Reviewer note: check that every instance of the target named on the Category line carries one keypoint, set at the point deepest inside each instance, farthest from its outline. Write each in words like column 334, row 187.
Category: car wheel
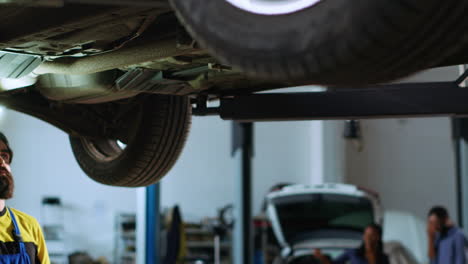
column 159, row 134
column 327, row 41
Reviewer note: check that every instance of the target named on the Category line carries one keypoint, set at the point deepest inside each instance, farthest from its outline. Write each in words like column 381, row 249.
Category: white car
column 331, row 217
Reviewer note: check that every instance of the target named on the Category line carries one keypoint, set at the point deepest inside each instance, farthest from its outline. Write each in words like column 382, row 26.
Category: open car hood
column 321, row 216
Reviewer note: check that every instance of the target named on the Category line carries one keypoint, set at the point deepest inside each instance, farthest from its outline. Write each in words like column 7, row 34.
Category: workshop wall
column 411, row 164
column 333, row 154
column 203, row 179
column 286, row 152
column 44, row 165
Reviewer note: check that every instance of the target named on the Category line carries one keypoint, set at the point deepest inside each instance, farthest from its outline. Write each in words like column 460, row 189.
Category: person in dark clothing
column 370, row 252
column 446, row 242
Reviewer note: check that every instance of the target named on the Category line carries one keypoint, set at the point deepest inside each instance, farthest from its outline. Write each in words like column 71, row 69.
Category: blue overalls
column 22, row 257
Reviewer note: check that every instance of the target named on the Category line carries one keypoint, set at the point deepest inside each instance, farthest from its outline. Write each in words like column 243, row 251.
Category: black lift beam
column 382, row 101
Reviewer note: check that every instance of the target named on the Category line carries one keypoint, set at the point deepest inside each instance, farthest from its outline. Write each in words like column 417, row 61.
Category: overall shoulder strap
column 16, row 230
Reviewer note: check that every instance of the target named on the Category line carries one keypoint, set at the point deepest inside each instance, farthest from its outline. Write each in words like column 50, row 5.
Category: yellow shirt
column 31, row 233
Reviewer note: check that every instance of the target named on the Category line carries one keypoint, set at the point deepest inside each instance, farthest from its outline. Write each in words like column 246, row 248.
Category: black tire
column 160, row 134
column 333, row 42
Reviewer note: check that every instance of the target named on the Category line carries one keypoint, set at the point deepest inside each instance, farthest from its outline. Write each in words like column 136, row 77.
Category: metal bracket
column 381, row 101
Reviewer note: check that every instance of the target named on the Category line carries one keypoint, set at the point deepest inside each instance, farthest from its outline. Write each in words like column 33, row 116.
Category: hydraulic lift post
column 242, row 148
column 153, row 225
column 460, row 138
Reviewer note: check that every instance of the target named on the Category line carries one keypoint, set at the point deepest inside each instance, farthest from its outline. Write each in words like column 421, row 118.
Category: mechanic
column 21, row 238
column 446, row 241
column 370, row 252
